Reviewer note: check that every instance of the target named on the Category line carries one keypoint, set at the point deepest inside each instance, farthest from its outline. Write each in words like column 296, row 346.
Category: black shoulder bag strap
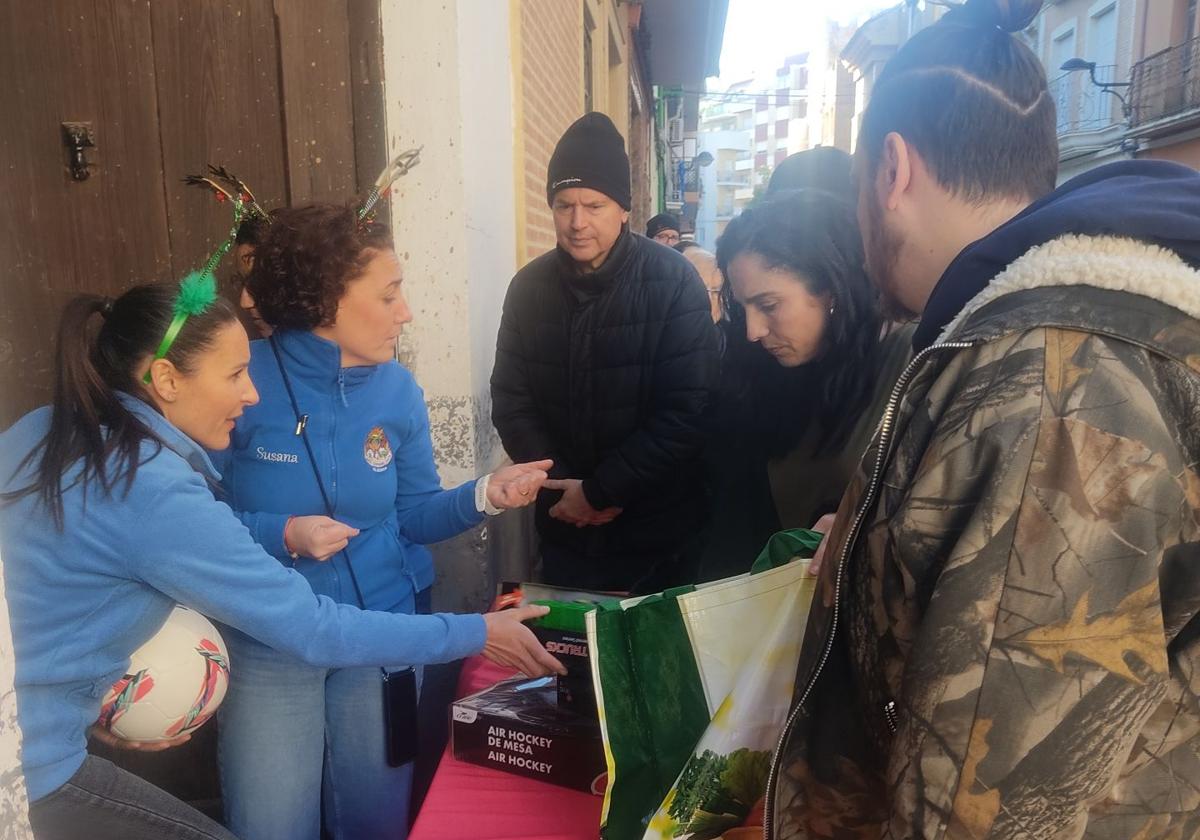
column 399, row 687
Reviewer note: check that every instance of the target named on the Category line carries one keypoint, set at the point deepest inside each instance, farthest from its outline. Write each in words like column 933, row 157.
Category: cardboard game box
column 563, row 632
column 518, row 727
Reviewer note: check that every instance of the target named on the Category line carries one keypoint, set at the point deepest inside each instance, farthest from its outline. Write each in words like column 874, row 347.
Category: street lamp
column 1072, row 65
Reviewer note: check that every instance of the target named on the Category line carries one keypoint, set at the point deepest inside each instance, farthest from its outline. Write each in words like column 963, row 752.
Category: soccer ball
column 175, row 682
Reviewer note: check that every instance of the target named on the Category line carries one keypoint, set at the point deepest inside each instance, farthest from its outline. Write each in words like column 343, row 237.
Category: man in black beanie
column 606, row 362
column 664, row 228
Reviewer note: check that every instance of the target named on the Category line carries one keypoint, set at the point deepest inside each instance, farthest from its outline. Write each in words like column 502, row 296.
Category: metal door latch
column 78, row 137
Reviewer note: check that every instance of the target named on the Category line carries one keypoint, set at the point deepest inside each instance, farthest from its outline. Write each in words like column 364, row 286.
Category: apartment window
column 762, row 103
column 781, row 129
column 1062, row 47
column 800, row 109
column 780, row 156
column 760, row 133
column 781, row 97
column 1102, row 35
column 760, row 160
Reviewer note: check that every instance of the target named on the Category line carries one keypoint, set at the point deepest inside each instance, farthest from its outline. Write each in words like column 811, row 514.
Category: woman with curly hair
column 333, row 473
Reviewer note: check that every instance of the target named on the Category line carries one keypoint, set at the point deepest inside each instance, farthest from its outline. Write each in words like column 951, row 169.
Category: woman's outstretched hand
column 511, row 644
column 517, row 485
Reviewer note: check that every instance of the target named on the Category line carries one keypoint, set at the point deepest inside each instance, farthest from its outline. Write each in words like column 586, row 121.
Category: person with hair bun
column 348, row 497
column 1006, row 635
column 107, row 520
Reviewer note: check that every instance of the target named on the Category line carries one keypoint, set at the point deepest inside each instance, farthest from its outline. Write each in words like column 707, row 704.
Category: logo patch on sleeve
column 377, row 451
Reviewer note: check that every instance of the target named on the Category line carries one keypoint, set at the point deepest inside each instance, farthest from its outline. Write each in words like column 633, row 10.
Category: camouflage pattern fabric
column 1010, row 647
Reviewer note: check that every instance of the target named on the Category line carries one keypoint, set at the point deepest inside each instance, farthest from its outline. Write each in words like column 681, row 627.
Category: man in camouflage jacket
column 1005, row 639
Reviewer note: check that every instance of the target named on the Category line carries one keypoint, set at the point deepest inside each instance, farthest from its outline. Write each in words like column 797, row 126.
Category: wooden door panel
column 314, row 38
column 273, row 89
column 219, row 102
column 72, row 60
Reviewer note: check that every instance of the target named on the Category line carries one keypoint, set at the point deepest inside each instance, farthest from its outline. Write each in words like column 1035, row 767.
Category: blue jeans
column 294, row 738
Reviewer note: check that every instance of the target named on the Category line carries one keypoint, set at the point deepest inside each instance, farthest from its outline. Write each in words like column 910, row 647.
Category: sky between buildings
column 759, row 34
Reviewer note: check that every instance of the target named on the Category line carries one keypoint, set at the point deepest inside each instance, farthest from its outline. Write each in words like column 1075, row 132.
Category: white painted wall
column 490, row 201
column 448, row 87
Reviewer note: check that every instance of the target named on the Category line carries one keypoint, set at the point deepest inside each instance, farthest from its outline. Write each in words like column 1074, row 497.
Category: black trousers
column 639, row 574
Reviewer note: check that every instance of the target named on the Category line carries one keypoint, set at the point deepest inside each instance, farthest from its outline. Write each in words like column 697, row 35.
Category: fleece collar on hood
column 1152, row 202
column 1111, row 263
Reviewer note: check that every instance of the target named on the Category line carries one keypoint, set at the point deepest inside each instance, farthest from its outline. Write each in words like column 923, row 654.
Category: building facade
column 1133, row 93
column 753, row 125
column 1091, row 122
column 1164, row 93
column 1147, row 54
column 571, row 58
column 870, row 47
column 726, row 184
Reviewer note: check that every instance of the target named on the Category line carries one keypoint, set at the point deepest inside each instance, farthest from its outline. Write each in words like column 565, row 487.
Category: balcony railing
column 1166, row 84
column 1082, row 106
column 732, row 175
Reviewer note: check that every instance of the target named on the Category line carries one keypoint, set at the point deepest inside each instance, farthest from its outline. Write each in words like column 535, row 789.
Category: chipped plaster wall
column 448, row 87
column 14, row 819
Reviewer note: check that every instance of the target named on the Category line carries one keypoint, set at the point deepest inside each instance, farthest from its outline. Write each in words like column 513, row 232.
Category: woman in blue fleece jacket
column 330, row 287
column 107, row 519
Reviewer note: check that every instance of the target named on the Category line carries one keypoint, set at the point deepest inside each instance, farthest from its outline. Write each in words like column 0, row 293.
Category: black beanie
column 591, row 154
column 661, row 222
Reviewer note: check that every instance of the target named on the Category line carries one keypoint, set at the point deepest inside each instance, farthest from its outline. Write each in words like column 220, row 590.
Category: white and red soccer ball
column 174, row 684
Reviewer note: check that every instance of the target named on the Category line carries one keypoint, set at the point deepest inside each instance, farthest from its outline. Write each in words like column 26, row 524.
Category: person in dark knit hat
column 606, row 362
column 664, row 228
column 820, row 168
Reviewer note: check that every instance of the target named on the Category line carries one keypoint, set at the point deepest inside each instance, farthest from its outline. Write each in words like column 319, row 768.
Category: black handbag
column 399, row 687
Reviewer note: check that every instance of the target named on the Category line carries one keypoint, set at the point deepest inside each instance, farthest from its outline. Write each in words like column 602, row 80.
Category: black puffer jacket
column 610, row 374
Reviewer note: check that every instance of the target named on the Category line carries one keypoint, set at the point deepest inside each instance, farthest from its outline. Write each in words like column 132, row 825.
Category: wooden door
column 73, row 62
column 286, row 93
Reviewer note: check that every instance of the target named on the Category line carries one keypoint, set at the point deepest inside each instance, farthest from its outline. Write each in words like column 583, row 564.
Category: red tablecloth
column 468, row 802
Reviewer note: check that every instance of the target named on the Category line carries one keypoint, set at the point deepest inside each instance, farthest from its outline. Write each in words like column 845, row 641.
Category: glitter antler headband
column 198, row 290
column 400, row 166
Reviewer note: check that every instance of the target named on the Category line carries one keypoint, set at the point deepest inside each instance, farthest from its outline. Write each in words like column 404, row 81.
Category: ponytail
column 93, row 436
